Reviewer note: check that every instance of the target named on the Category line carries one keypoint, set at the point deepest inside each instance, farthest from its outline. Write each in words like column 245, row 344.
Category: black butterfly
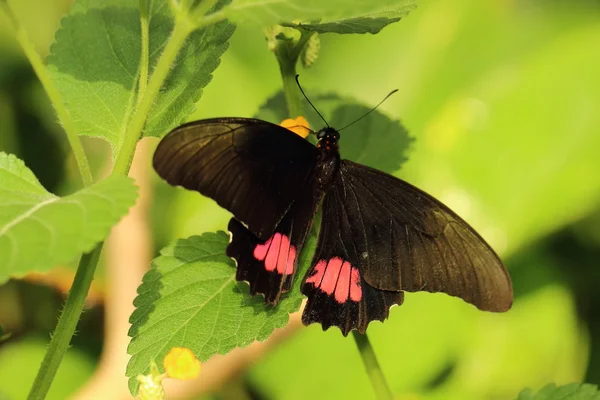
column 379, row 237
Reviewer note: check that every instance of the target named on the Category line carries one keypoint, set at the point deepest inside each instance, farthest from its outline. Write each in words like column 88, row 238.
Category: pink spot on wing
column 316, row 278
column 287, row 256
column 277, row 253
column 273, row 253
column 331, row 275
column 355, row 287
column 260, row 251
column 337, row 277
column 342, row 288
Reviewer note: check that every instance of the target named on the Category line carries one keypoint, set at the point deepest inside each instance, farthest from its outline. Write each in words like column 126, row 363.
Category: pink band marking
column 316, row 278
column 331, row 275
column 339, row 277
column 260, row 251
column 277, row 253
column 355, row 287
column 342, row 290
column 273, row 253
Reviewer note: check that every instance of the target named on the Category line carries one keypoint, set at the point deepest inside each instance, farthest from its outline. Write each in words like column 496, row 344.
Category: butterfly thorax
column 328, row 161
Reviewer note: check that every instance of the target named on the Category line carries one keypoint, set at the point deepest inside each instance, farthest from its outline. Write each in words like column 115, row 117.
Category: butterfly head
column 328, row 137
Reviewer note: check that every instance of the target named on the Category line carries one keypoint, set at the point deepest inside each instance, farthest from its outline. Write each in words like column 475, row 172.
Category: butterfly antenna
column 371, row 110
column 311, row 104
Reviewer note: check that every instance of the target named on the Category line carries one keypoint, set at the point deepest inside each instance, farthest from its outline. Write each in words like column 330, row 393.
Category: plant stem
column 293, row 98
column 180, row 32
column 288, row 59
column 53, row 94
column 143, row 79
column 380, row 385
column 66, row 324
column 185, row 24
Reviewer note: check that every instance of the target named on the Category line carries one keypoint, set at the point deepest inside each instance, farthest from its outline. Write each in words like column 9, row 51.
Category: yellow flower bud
column 181, row 363
column 299, row 126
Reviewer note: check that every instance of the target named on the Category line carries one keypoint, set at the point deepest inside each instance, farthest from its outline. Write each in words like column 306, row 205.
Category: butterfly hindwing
column 337, row 292
column 412, row 242
column 269, row 265
column 250, row 167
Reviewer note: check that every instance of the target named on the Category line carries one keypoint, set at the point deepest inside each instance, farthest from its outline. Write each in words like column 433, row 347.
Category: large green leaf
column 572, row 391
column 95, row 62
column 371, row 22
column 190, row 298
column 268, row 12
column 39, row 230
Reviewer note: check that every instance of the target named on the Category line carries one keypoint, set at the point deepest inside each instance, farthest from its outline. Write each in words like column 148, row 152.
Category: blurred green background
column 502, row 98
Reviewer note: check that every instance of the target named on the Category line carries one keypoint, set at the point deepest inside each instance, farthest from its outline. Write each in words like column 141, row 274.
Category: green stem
column 143, row 82
column 293, row 97
column 380, row 385
column 180, row 32
column 184, row 25
column 53, row 94
column 66, row 324
column 288, row 59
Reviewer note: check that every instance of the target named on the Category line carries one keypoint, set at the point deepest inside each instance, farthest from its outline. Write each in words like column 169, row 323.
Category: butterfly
column 379, row 235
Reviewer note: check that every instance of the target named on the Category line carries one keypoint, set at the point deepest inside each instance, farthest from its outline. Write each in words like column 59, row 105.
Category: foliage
column 371, row 22
column 40, row 230
column 96, row 59
column 339, row 16
column 503, row 129
column 573, row 391
column 192, row 287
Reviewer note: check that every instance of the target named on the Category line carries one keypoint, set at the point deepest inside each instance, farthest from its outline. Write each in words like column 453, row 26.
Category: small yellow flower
column 181, row 363
column 299, row 126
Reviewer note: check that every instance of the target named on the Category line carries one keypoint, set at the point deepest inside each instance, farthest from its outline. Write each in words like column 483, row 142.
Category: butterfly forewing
column 338, row 295
column 252, row 168
column 410, row 241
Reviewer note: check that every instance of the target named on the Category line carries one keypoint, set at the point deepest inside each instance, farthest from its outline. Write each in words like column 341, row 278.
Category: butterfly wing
column 269, row 265
column 338, row 295
column 250, row 167
column 407, row 240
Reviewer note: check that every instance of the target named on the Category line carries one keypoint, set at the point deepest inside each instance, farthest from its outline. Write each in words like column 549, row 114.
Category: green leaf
column 39, row 230
column 95, row 62
column 376, row 140
column 354, row 12
column 190, row 298
column 371, row 22
column 311, row 50
column 572, row 391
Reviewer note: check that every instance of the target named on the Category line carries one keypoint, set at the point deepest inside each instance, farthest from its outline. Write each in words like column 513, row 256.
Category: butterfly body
column 379, row 235
column 328, row 159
